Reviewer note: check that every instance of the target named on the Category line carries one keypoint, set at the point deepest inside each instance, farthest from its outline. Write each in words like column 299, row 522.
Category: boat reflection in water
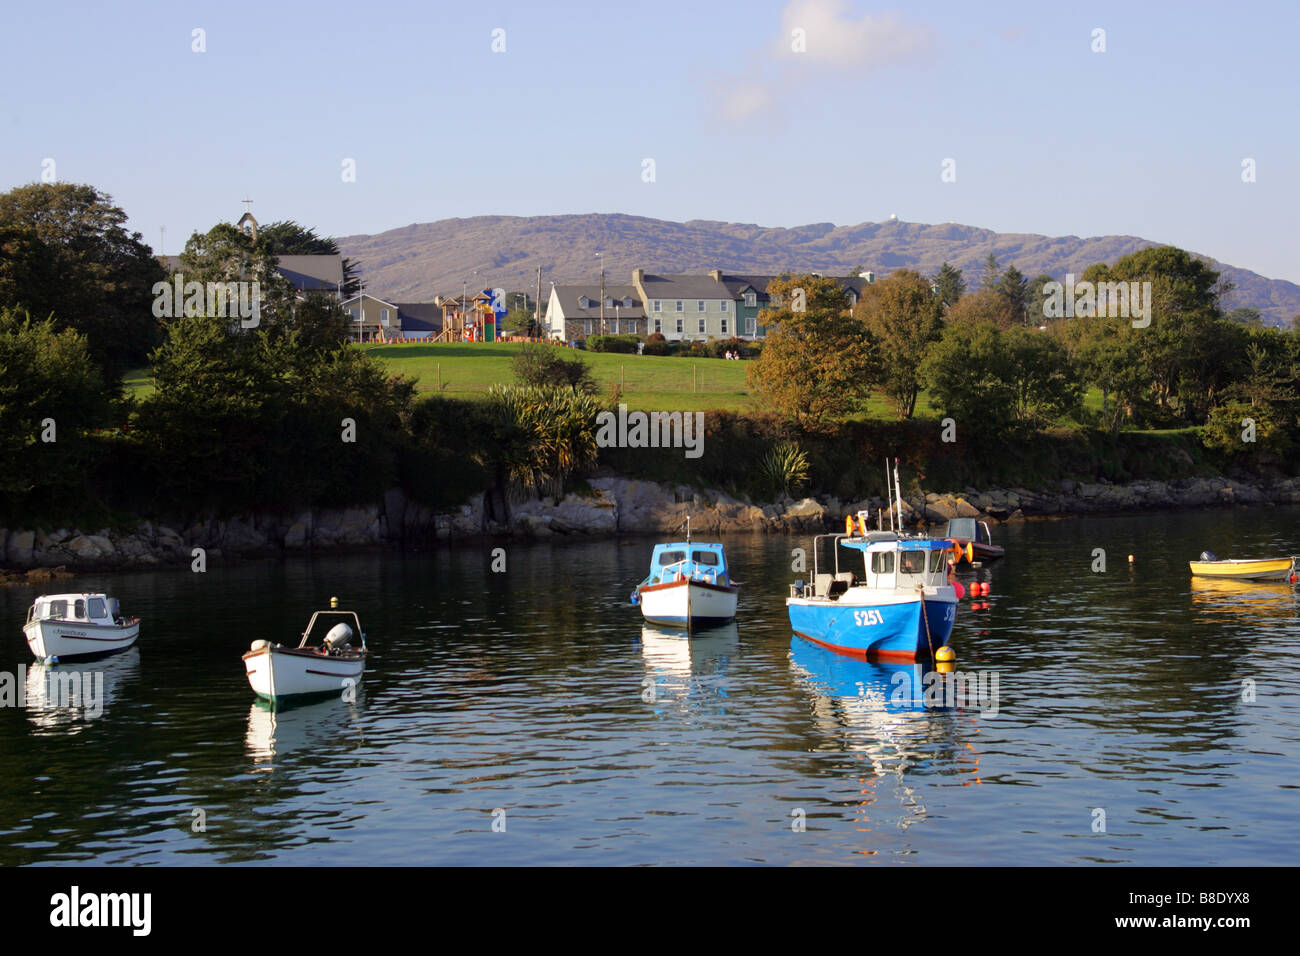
column 882, row 714
column 1254, row 599
column 67, row 697
column 679, row 666
column 276, row 730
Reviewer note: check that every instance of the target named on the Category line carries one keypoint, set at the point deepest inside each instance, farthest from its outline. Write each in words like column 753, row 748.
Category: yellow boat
column 1263, row 569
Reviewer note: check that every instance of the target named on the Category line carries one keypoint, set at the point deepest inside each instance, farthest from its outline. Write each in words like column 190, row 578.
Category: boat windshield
column 962, row 528
column 671, row 557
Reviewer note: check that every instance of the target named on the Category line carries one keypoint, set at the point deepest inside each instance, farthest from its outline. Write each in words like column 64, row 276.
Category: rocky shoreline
column 611, row 506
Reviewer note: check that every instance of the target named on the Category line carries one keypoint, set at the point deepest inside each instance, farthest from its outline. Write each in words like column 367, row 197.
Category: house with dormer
column 574, row 312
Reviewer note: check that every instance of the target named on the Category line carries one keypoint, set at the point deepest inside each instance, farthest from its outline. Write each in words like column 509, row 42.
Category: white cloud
column 833, row 37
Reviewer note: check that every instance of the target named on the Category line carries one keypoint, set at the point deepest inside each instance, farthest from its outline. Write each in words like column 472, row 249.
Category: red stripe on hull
column 864, row 655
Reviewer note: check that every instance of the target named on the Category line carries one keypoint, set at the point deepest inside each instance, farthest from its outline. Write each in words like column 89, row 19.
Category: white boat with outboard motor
column 330, row 667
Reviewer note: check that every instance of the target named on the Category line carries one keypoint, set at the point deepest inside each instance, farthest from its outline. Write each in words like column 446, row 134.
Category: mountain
column 419, row 261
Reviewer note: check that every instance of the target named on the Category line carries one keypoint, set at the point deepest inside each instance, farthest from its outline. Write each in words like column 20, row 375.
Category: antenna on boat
column 898, row 493
column 688, row 529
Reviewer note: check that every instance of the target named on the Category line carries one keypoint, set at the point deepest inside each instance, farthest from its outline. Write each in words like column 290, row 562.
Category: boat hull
column 276, row 673
column 68, row 641
column 1269, row 569
column 688, row 603
column 892, row 629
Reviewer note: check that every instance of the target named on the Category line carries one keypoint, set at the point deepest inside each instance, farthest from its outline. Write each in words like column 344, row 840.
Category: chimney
column 715, row 275
column 638, row 276
column 869, row 276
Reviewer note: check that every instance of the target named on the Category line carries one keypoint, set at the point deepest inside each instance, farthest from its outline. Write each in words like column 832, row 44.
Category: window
column 702, row 325
column 724, row 326
column 658, row 303
column 699, row 306
column 383, row 316
column 659, row 325
column 627, row 302
column 609, row 302
column 709, row 558
column 97, row 609
column 671, row 557
column 58, row 610
column 679, row 326
column 588, row 324
column 911, row 562
column 882, row 562
column 853, row 299
column 937, row 559
column 751, row 299
column 584, row 302
column 750, row 325
column 724, row 305
column 354, row 315
column 79, row 610
column 679, row 306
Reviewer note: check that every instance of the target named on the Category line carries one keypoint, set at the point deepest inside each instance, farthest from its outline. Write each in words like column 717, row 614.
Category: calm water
column 528, row 692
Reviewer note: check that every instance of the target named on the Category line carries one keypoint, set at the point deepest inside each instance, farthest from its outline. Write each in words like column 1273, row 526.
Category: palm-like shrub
column 784, row 469
column 545, row 434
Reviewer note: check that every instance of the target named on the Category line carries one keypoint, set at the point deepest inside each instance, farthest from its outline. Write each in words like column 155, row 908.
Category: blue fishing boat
column 893, row 600
column 688, row 586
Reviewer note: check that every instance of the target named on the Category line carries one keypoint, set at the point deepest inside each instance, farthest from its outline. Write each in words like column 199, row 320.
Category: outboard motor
column 1209, row 556
column 338, row 636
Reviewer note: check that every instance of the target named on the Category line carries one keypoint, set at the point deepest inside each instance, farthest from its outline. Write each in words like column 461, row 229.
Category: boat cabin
column 75, row 609
column 688, row 559
column 890, row 562
column 968, row 529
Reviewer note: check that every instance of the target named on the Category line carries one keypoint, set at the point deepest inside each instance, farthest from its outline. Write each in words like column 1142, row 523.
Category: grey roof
column 738, row 283
column 570, row 294
column 420, row 316
column 684, row 287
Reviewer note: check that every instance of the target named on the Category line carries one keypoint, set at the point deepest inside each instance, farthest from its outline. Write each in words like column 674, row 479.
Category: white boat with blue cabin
column 893, row 599
column 689, row 585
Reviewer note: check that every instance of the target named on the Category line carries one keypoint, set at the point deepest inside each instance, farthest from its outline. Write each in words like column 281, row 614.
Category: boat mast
column 889, row 498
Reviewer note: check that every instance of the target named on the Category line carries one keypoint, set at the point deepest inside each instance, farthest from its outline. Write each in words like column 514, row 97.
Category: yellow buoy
column 334, row 602
column 945, row 654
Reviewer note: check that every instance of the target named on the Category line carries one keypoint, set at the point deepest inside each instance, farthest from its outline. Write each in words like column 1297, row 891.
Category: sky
column 1062, row 119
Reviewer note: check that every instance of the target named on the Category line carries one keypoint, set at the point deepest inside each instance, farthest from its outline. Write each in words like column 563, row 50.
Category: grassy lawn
column 467, row 369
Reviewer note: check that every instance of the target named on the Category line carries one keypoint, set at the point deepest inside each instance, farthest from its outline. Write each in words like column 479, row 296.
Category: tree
column 902, row 316
column 1246, row 316
column 52, row 394
column 287, row 238
column 77, row 261
column 816, row 364
column 1014, row 287
column 986, row 305
column 1177, row 349
column 545, row 366
column 226, row 253
column 992, row 274
column 952, row 286
column 968, row 375
column 1035, row 297
column 1044, row 380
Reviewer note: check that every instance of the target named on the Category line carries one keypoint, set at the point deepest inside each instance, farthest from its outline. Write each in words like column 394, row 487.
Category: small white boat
column 688, row 586
column 332, row 666
column 62, row 627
